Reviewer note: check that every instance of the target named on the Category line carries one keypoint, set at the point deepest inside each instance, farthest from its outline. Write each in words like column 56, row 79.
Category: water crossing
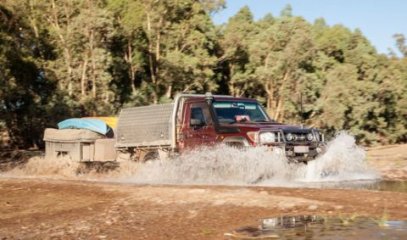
column 222, row 165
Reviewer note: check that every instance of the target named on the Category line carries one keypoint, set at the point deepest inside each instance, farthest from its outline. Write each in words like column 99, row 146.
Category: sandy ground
column 56, row 209
column 390, row 161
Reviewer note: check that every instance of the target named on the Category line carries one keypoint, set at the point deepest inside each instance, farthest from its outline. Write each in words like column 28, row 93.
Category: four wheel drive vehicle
column 196, row 120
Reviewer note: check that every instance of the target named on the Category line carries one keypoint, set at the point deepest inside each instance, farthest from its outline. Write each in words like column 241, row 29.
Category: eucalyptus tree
column 236, row 38
column 170, row 43
column 25, row 91
column 81, row 31
column 280, row 55
column 401, row 43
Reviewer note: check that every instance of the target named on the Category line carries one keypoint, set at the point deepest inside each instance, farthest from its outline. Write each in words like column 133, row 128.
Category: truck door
column 199, row 128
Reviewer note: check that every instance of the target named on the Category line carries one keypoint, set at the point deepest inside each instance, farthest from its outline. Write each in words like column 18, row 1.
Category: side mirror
column 196, row 122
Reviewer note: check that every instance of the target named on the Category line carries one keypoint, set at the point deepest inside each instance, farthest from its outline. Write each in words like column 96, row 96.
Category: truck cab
column 242, row 122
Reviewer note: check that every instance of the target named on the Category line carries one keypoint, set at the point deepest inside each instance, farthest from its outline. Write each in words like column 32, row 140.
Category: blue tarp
column 94, row 125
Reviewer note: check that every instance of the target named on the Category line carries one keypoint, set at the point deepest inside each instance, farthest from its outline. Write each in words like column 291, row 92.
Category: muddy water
column 343, row 161
column 392, row 186
column 342, row 166
column 374, row 185
column 319, row 227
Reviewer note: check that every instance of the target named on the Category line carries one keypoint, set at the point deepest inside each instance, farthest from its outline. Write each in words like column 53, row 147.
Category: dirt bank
column 390, row 161
column 43, row 209
column 56, row 209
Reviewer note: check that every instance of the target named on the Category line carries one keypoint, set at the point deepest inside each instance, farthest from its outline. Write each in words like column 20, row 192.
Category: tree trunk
column 231, row 84
column 54, row 21
column 92, row 56
column 280, row 103
column 151, row 60
column 269, row 87
column 133, row 68
column 169, row 91
column 83, row 78
column 32, row 20
column 68, row 63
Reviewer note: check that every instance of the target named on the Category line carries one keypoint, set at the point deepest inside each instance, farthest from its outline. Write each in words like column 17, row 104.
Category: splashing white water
column 66, row 169
column 342, row 161
column 219, row 165
column 61, row 167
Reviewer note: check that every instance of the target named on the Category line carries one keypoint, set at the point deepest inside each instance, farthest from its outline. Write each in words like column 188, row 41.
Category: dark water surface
column 374, row 185
column 318, row 227
column 393, row 186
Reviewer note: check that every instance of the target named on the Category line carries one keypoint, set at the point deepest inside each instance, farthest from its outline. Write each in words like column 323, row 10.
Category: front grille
column 300, row 156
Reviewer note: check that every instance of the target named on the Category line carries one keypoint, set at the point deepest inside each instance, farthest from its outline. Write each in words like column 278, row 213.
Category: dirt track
column 44, row 209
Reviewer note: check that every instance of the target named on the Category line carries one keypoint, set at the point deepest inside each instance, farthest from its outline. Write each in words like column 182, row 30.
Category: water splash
column 62, row 167
column 343, row 160
column 219, row 165
column 66, row 169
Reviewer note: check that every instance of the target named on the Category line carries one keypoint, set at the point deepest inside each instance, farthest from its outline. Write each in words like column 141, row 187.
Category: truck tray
column 145, row 126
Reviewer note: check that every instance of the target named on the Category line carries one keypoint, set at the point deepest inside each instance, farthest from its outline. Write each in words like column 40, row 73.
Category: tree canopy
column 74, row 58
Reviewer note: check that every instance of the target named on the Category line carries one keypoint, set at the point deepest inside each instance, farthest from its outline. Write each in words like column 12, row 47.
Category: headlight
column 267, row 137
column 289, row 137
column 310, row 137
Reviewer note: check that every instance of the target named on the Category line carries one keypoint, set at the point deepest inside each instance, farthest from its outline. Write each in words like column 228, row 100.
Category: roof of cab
column 219, row 97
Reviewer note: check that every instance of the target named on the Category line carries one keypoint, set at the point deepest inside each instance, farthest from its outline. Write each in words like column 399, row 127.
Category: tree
column 280, row 54
column 24, row 88
column 401, row 43
column 176, row 41
column 235, row 42
column 65, row 58
column 80, row 32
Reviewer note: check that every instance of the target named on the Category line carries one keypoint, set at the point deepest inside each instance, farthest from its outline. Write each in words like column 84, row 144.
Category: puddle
column 318, row 227
column 393, row 186
column 374, row 185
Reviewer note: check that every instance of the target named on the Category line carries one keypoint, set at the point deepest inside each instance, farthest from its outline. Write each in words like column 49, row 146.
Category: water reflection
column 318, row 227
column 290, row 221
column 393, row 186
column 381, row 185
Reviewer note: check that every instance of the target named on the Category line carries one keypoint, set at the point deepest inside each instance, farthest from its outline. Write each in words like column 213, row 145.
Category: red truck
column 194, row 120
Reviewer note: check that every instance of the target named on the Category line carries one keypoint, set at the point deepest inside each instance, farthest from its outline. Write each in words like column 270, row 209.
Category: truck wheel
column 151, row 155
column 127, row 155
column 237, row 145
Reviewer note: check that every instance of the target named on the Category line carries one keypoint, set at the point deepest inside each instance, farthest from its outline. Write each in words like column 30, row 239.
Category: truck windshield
column 231, row 112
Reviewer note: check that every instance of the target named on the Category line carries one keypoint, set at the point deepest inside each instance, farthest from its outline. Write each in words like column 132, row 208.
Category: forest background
column 75, row 58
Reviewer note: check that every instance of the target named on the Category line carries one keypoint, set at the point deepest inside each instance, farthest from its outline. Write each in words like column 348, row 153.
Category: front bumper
column 300, row 153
